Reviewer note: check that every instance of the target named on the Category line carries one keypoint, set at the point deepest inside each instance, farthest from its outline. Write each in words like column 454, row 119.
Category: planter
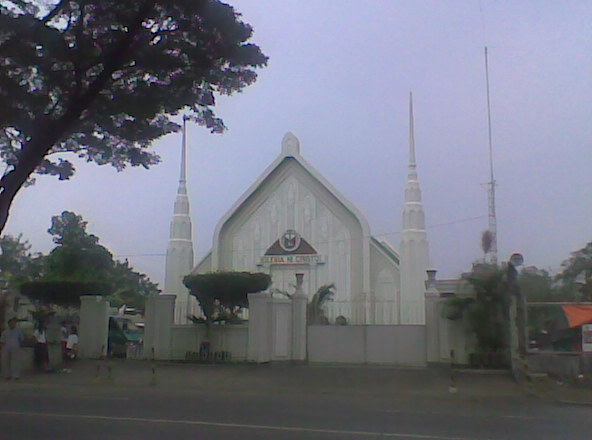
column 211, row 356
column 488, row 359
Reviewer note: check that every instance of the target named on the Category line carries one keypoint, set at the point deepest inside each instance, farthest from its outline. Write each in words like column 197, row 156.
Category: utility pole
column 517, row 320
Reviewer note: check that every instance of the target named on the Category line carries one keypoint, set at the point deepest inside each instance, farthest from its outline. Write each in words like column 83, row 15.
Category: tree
column 79, row 265
column 486, row 304
column 69, row 229
column 488, row 316
column 17, row 263
column 78, row 255
column 103, row 78
column 221, row 295
column 130, row 288
column 61, row 293
column 537, row 285
column 576, row 278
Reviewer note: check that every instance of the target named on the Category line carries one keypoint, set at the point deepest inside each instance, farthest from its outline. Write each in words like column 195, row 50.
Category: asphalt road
column 279, row 402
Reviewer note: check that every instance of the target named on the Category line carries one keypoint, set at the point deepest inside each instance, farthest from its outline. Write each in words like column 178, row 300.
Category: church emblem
column 291, row 248
column 290, row 241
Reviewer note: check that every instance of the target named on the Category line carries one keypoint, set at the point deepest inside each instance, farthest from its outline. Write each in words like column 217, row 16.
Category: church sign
column 292, row 259
column 291, row 248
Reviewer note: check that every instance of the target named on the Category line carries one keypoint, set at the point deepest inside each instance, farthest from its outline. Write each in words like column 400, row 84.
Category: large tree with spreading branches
column 103, row 79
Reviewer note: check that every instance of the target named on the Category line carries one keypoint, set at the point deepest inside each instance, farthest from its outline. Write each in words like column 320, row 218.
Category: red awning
column 578, row 315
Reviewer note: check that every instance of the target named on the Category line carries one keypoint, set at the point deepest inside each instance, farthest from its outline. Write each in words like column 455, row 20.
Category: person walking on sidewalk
column 10, row 343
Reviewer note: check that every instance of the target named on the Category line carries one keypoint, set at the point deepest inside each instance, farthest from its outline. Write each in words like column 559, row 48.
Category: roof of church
column 387, row 249
column 291, row 152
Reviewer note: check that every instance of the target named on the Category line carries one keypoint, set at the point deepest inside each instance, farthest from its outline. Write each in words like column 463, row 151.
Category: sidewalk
column 286, row 377
column 347, row 381
column 572, row 392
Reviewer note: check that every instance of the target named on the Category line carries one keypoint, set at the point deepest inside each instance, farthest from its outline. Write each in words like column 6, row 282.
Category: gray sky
column 339, row 77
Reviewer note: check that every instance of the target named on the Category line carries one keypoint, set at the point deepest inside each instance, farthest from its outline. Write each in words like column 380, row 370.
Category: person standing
column 10, row 343
column 64, row 338
column 41, row 351
column 71, row 348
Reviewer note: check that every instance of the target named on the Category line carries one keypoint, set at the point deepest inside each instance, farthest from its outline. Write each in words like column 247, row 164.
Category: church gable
column 289, row 197
column 290, row 215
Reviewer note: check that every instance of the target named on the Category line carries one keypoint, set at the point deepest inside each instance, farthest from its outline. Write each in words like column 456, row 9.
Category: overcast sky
column 339, row 77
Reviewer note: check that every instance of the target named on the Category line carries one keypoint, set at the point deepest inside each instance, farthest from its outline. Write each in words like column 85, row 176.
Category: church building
column 293, row 221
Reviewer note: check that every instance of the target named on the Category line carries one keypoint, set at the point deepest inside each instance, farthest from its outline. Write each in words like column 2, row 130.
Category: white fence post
column 260, row 327
column 299, row 301
column 160, row 313
column 94, row 326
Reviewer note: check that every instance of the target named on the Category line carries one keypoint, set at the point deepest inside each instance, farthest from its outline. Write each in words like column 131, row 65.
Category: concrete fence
column 277, row 331
column 444, row 337
column 560, row 364
column 376, row 344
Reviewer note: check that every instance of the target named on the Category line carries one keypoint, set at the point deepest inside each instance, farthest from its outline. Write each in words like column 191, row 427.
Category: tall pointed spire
column 412, row 164
column 414, row 242
column 183, row 173
column 179, row 257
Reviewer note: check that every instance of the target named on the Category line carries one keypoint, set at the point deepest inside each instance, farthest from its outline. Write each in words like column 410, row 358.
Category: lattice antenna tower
column 491, row 183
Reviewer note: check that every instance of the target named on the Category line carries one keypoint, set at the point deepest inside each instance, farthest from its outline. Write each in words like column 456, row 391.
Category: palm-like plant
column 314, row 310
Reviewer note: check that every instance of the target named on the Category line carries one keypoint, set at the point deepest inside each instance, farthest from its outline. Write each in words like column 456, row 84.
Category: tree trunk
column 12, row 182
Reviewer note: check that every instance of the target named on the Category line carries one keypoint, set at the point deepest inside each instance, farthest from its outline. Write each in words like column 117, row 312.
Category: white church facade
column 293, row 221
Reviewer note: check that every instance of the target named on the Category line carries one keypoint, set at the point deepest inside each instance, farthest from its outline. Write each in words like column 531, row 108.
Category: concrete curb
column 550, row 395
column 574, row 403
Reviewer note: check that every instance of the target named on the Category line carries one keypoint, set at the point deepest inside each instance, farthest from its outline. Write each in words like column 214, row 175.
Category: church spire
column 412, row 191
column 412, row 164
column 179, row 257
column 414, row 242
column 183, row 173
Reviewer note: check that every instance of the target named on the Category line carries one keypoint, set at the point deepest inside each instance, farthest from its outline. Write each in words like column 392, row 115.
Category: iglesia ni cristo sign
column 291, row 248
column 292, row 259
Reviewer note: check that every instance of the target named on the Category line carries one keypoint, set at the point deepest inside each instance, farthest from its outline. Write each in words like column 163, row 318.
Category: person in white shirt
column 10, row 343
column 41, row 351
column 71, row 348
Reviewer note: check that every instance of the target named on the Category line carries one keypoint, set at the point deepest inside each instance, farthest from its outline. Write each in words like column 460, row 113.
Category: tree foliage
column 223, row 294
column 103, row 78
column 129, row 287
column 488, row 316
column 537, row 285
column 314, row 309
column 486, row 307
column 17, row 263
column 78, row 255
column 62, row 293
column 79, row 265
column 69, row 229
column 576, row 278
